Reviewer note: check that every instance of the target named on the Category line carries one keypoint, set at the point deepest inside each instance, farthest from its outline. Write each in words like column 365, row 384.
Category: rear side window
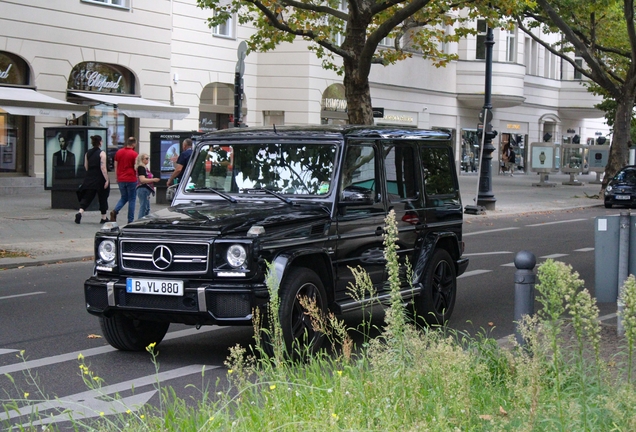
column 437, row 169
column 400, row 163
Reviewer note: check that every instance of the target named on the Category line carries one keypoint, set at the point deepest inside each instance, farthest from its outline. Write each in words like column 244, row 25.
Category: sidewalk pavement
column 29, row 224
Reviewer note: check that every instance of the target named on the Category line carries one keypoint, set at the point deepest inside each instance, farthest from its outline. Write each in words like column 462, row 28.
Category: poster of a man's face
column 64, row 158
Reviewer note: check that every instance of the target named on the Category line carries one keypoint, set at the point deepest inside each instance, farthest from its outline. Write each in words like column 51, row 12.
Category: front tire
column 608, row 204
column 300, row 337
column 435, row 304
column 127, row 334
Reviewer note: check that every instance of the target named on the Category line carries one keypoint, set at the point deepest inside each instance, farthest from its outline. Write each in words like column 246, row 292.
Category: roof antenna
column 274, row 128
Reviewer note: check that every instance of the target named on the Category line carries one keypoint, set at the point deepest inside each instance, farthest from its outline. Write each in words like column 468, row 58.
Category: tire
column 127, row 334
column 298, row 333
column 435, row 303
column 608, row 205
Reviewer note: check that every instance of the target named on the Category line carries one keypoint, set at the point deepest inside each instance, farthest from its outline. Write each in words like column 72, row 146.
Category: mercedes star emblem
column 162, row 257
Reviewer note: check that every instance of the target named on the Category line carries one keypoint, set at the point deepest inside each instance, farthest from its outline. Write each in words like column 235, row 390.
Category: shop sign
column 330, row 104
column 398, row 117
column 13, row 70
column 100, row 77
column 5, row 73
column 513, row 126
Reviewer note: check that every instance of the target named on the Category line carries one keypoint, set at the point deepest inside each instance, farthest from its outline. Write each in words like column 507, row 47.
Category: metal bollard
column 623, row 265
column 524, row 289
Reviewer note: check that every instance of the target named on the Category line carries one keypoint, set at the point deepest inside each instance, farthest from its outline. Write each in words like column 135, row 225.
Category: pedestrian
column 145, row 184
column 95, row 182
column 509, row 158
column 182, row 161
column 126, row 179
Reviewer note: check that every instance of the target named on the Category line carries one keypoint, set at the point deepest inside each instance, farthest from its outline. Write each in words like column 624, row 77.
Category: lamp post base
column 475, row 210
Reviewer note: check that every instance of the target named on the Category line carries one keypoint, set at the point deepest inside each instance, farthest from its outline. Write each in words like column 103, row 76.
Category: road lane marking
column 47, row 361
column 486, row 253
column 92, row 403
column 7, row 351
column 556, row 222
column 473, row 273
column 22, row 295
column 588, row 249
column 554, row 256
column 489, row 231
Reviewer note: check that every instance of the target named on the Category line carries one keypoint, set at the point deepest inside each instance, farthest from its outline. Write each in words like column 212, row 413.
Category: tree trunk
column 358, row 94
column 619, row 151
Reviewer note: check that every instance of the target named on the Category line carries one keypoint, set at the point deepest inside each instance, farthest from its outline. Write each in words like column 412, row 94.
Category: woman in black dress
column 96, row 180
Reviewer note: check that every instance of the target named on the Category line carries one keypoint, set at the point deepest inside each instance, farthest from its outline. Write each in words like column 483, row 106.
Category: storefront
column 514, row 134
column 19, row 104
column 216, row 107
column 109, row 91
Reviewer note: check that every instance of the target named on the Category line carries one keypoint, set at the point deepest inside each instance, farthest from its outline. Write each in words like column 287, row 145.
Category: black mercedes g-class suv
column 310, row 203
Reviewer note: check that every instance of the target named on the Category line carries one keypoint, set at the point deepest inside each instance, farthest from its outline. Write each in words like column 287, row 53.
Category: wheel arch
column 312, row 259
column 443, row 240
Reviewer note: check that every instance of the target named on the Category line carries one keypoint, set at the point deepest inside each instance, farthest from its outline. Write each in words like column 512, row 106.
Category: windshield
column 286, row 168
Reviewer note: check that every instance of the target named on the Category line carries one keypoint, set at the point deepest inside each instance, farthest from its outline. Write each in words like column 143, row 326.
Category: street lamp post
column 486, row 197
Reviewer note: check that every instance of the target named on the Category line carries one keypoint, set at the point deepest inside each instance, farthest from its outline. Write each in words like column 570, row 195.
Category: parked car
column 621, row 190
column 310, row 202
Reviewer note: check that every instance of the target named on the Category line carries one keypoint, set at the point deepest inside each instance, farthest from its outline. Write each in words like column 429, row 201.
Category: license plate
column 154, row 286
column 622, row 197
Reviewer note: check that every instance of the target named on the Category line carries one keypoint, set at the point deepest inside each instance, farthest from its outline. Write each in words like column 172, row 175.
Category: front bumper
column 202, row 303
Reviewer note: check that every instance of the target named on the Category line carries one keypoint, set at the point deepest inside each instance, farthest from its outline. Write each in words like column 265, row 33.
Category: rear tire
column 127, row 334
column 435, row 304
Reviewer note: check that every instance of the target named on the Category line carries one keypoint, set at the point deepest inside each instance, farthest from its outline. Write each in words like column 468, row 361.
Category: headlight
column 107, row 251
column 236, row 255
column 609, row 188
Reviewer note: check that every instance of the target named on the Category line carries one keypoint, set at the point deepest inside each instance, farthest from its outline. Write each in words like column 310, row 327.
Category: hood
column 225, row 217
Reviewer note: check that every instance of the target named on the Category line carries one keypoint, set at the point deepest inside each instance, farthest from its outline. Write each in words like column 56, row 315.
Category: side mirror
column 356, row 196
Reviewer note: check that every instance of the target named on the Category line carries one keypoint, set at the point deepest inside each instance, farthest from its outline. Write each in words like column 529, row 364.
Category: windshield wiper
column 271, row 192
column 218, row 192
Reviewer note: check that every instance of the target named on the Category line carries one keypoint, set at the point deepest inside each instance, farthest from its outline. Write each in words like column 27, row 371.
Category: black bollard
column 524, row 289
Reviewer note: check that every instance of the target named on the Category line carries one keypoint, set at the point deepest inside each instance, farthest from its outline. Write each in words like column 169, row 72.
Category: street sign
column 487, row 114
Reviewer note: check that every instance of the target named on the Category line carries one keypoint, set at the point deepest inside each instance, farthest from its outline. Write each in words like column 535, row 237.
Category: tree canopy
column 602, row 33
column 353, row 31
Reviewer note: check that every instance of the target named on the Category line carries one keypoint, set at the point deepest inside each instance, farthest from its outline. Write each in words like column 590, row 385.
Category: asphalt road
column 42, row 313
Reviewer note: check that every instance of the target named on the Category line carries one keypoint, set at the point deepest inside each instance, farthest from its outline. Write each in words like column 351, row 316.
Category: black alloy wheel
column 435, row 304
column 300, row 337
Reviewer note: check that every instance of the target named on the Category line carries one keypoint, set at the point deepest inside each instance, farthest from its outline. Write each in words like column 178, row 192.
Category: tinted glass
column 438, row 175
column 400, row 165
column 287, row 168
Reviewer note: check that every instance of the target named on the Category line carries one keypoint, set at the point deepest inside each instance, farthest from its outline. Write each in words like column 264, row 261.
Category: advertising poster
column 542, row 157
column 170, row 150
column 64, row 150
column 598, row 159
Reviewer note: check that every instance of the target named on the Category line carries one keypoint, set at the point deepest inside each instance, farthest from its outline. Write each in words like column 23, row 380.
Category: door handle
column 379, row 231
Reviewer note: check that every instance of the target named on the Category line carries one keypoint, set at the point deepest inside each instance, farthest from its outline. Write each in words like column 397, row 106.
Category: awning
column 137, row 107
column 28, row 102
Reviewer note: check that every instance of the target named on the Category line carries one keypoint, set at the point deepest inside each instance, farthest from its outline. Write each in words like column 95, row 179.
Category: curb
column 13, row 263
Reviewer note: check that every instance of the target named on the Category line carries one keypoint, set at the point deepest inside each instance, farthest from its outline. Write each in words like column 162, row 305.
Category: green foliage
column 407, row 379
column 347, row 39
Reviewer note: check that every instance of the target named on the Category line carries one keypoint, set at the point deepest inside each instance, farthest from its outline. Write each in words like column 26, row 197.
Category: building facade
column 136, row 66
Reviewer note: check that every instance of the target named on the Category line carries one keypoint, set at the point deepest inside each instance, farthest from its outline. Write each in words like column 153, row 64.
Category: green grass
column 410, row 379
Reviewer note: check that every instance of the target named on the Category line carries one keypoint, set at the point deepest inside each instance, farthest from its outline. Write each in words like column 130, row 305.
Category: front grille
column 229, row 305
column 164, row 257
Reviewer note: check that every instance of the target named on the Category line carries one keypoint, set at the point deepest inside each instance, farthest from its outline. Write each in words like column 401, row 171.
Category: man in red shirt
column 126, row 179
